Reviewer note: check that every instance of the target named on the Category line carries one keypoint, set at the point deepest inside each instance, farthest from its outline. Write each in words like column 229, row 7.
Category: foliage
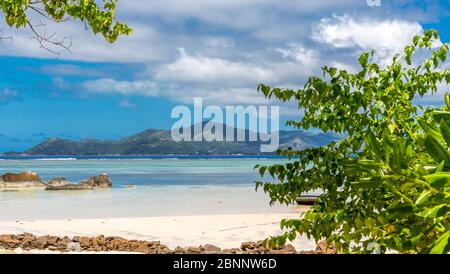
column 387, row 181
column 98, row 15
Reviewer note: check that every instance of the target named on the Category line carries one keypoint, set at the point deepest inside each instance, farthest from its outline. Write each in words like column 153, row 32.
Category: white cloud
column 227, row 47
column 161, row 26
column 347, row 32
column 232, row 97
column 229, row 11
column 144, row 45
column 111, row 86
column 219, row 96
column 300, row 54
column 386, row 36
column 202, row 69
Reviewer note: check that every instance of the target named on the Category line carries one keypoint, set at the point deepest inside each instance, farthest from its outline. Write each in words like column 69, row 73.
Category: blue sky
column 218, row 50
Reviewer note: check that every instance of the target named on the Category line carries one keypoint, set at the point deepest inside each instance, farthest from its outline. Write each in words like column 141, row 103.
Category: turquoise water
column 169, row 171
column 162, row 187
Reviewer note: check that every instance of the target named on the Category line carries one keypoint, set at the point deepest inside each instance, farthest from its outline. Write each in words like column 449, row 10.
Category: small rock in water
column 60, row 181
column 20, row 180
column 70, row 187
column 101, row 181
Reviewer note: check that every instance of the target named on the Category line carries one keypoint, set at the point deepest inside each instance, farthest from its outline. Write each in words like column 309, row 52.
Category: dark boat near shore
column 306, row 199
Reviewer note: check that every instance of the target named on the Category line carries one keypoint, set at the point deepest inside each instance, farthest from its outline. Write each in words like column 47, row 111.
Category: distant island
column 159, row 142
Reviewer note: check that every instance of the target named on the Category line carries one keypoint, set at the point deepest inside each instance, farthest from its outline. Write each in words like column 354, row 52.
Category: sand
column 225, row 231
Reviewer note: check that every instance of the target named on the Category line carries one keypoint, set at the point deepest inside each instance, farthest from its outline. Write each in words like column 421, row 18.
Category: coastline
column 71, row 157
column 225, row 231
column 189, row 203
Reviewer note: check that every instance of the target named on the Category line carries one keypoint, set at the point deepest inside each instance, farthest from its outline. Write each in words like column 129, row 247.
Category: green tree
column 99, row 16
column 382, row 182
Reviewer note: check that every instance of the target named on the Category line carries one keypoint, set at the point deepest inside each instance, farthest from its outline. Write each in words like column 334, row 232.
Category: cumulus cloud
column 239, row 14
column 385, row 36
column 221, row 97
column 111, row 87
column 198, row 68
column 146, row 44
column 221, row 50
column 300, row 55
column 160, row 27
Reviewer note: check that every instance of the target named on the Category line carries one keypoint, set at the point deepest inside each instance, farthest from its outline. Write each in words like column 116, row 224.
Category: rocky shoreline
column 28, row 242
column 29, row 179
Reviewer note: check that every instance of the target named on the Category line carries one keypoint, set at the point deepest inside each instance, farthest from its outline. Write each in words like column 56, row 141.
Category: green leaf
column 445, row 130
column 430, row 130
column 333, row 72
column 423, row 198
column 434, row 212
column 400, row 211
column 439, row 115
column 262, row 170
column 447, row 99
column 398, row 156
column 436, row 150
column 368, row 182
column 363, row 59
column 440, row 167
column 367, row 164
column 441, row 245
column 374, row 146
column 438, row 180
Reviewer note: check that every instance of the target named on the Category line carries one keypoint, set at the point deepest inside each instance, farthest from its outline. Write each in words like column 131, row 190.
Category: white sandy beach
column 225, row 231
column 177, row 202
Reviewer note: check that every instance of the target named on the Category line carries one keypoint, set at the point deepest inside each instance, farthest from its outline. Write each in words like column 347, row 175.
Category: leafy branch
column 98, row 16
column 386, row 181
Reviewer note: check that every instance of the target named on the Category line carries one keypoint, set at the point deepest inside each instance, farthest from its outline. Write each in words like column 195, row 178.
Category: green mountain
column 159, row 142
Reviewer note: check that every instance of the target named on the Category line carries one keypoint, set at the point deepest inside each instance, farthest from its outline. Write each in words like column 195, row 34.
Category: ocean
column 142, row 187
